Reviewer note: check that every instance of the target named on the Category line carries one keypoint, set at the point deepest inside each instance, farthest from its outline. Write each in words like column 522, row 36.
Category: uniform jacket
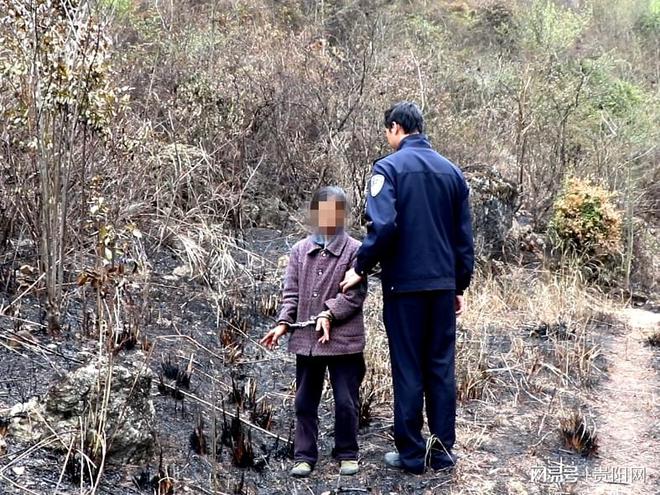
column 311, row 285
column 419, row 224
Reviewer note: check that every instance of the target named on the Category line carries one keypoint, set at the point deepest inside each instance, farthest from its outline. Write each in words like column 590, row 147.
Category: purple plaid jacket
column 311, row 285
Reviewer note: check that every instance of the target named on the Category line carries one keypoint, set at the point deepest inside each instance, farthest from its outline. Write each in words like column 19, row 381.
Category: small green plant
column 120, row 8
column 553, row 28
column 585, row 220
column 649, row 22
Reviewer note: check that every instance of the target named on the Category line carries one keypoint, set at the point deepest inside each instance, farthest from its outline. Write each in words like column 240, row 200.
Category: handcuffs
column 311, row 321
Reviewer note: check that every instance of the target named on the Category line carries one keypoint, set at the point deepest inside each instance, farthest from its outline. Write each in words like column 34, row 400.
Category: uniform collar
column 335, row 246
column 415, row 140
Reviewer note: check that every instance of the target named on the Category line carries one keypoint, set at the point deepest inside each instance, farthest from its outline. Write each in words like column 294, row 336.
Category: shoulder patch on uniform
column 376, row 184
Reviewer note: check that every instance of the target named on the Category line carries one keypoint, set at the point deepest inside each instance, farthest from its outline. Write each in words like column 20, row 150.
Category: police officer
column 420, row 231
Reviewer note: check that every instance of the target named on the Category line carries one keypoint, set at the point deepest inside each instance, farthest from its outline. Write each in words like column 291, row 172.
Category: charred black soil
column 224, row 404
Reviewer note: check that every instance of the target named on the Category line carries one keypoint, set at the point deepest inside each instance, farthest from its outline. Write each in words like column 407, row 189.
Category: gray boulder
column 493, row 202
column 123, row 418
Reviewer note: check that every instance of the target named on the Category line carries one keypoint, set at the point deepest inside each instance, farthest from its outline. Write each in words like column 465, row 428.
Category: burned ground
column 528, row 381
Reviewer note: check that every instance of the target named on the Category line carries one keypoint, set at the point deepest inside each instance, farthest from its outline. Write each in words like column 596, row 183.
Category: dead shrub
column 376, row 388
column 577, row 435
column 653, row 340
column 161, row 483
column 262, row 414
column 560, row 330
column 472, row 376
column 643, row 256
column 238, row 438
column 244, row 395
column 172, row 371
column 169, row 389
column 284, row 450
column 368, row 400
column 198, row 439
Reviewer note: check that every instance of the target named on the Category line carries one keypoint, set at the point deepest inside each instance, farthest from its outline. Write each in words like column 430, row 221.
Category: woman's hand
column 323, row 325
column 271, row 338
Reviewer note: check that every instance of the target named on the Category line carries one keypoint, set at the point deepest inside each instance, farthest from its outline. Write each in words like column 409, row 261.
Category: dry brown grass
column 578, row 434
column 377, row 386
column 504, row 304
column 527, row 348
column 493, row 342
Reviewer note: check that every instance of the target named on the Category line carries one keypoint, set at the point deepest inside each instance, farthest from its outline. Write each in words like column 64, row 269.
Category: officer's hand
column 323, row 325
column 271, row 338
column 459, row 305
column 351, row 279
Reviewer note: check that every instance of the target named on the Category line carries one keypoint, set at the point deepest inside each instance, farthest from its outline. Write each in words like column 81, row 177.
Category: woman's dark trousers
column 346, row 374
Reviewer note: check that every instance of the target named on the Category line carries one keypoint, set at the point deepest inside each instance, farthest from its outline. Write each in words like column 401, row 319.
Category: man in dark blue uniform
column 420, row 231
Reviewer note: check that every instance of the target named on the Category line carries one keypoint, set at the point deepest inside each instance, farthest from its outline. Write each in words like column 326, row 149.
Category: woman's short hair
column 327, row 193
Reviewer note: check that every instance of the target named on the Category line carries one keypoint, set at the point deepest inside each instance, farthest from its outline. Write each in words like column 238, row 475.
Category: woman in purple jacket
column 333, row 335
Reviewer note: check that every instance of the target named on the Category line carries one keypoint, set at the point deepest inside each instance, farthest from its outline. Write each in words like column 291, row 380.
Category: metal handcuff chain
column 303, row 324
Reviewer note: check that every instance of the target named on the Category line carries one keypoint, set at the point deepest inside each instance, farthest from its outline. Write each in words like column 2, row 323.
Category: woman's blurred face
column 329, row 217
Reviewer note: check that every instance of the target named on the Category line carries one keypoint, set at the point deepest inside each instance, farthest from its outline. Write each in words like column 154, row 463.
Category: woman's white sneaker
column 348, row 468
column 301, row 469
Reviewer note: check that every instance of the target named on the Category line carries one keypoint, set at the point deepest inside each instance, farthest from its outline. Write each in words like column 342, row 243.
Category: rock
column 128, row 416
column 523, row 244
column 183, row 271
column 645, row 274
column 20, row 425
column 516, row 488
column 264, row 210
column 493, row 203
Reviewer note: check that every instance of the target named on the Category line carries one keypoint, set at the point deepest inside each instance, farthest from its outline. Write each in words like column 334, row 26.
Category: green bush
column 119, row 8
column 552, row 28
column 585, row 220
column 648, row 24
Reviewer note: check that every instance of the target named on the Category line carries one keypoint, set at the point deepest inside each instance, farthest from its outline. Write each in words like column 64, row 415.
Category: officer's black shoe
column 444, row 461
column 392, row 459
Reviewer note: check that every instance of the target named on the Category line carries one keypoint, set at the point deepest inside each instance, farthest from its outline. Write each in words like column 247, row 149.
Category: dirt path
column 629, row 412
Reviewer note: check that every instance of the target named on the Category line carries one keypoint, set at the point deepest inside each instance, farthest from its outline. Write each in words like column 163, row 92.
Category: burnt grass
column 203, row 343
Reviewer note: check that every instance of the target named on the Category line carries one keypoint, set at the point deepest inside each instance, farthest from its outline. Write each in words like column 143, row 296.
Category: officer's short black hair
column 326, row 194
column 407, row 114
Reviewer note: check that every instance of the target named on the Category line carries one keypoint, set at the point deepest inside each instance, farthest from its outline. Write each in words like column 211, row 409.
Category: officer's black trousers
column 421, row 331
